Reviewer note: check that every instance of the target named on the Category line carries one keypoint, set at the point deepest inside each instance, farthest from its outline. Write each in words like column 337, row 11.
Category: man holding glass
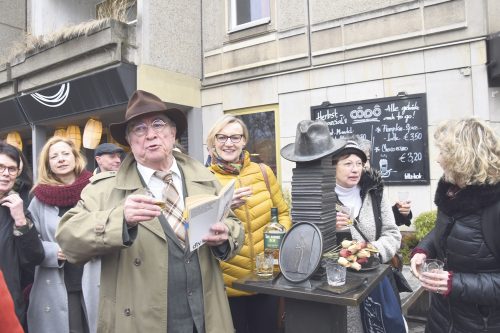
column 150, row 281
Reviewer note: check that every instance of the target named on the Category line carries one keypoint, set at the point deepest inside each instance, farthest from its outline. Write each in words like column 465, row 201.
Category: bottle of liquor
column 273, row 235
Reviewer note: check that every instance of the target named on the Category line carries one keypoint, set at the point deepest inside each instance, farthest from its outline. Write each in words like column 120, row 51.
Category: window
column 261, row 143
column 248, row 13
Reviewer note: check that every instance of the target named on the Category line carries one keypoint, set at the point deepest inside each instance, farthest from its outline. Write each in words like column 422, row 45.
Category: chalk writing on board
column 396, row 127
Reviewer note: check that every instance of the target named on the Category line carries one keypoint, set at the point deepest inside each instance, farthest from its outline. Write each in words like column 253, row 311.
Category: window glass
column 248, row 13
column 262, row 142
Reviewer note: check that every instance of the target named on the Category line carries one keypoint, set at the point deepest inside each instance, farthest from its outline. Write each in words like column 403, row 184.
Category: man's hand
column 139, row 208
column 218, row 234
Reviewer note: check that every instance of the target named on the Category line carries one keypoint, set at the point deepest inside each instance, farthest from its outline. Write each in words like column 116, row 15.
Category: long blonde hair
column 45, row 174
column 470, row 153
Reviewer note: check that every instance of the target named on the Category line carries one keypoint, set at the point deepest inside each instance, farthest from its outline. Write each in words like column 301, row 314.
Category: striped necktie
column 172, row 211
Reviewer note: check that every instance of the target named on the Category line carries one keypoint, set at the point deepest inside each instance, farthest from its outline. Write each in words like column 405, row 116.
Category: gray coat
column 48, row 308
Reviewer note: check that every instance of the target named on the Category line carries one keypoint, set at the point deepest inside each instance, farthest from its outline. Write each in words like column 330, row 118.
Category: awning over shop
column 11, row 115
column 101, row 90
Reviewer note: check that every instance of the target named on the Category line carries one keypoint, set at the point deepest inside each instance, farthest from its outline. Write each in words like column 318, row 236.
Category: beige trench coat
column 134, row 278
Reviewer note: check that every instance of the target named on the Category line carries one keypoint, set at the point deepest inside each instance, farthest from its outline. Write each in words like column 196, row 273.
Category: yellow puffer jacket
column 254, row 215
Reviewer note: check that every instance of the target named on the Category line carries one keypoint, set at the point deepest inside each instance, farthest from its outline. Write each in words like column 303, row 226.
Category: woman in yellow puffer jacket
column 252, row 204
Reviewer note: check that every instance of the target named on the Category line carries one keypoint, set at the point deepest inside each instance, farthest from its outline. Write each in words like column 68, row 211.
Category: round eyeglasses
column 141, row 129
column 11, row 170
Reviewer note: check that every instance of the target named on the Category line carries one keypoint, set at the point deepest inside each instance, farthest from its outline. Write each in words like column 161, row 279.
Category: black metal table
column 309, row 309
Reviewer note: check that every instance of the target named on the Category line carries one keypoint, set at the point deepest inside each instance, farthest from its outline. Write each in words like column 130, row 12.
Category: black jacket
column 18, row 256
column 462, row 239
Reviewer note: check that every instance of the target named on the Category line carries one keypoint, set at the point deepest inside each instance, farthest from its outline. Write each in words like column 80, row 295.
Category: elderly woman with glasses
column 252, row 203
column 369, row 215
column 20, row 247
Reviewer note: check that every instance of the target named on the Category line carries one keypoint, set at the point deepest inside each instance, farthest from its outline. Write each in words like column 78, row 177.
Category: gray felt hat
column 312, row 141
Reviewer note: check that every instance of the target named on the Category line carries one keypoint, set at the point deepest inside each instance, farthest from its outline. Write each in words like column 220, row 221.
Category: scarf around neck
column 224, row 167
column 62, row 195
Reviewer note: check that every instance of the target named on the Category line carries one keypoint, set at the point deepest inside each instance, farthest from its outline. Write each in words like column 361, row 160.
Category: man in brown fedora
column 150, row 282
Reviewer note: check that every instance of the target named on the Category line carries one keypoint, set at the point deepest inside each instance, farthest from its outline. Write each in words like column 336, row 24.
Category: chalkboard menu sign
column 396, row 127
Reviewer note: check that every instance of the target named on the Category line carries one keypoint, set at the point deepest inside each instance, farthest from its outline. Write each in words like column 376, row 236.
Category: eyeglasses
column 141, row 129
column 235, row 138
column 11, row 170
column 352, row 165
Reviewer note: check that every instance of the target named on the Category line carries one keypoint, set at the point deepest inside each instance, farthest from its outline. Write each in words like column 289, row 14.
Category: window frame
column 265, row 108
column 234, row 27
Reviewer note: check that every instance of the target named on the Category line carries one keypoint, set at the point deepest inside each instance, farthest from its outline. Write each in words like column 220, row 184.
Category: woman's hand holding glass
column 404, row 203
column 240, row 196
column 344, row 217
column 430, row 272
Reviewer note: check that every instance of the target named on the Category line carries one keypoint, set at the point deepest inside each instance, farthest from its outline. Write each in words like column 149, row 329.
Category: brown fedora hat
column 140, row 103
column 312, row 142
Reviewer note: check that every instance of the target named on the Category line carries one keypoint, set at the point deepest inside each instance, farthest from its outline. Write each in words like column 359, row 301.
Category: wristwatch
column 19, row 231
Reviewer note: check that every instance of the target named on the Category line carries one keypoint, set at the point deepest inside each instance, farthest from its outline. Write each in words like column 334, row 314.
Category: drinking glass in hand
column 403, row 196
column 349, row 211
column 158, row 202
column 433, row 266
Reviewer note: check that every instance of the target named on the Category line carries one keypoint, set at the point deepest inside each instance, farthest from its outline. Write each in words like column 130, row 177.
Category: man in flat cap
column 150, row 282
column 108, row 157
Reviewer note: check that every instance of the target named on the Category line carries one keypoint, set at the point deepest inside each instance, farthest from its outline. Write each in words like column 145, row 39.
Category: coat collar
column 469, row 199
column 128, row 179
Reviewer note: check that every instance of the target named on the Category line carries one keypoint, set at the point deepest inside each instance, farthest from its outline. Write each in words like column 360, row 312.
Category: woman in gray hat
column 370, row 219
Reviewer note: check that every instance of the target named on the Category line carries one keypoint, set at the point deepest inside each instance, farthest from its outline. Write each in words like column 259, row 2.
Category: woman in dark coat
column 20, row 246
column 465, row 296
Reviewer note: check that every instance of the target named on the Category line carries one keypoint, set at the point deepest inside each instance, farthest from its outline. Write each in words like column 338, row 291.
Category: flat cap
column 107, row 148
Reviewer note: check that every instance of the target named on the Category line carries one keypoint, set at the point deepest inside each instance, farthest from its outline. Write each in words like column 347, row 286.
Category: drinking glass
column 335, row 273
column 433, row 266
column 349, row 211
column 264, row 263
column 403, row 196
column 158, row 202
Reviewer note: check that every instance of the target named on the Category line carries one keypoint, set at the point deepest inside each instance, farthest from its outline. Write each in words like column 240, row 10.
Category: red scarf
column 62, row 195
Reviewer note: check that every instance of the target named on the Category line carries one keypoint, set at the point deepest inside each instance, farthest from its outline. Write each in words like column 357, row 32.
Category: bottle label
column 273, row 240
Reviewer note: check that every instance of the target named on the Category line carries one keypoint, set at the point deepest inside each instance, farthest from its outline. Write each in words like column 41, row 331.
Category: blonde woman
column 64, row 297
column 464, row 296
column 252, row 204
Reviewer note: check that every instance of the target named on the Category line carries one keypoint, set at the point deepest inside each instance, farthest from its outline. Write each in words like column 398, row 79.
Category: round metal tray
column 300, row 252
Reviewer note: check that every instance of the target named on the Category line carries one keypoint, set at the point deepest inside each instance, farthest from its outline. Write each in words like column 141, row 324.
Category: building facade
column 268, row 61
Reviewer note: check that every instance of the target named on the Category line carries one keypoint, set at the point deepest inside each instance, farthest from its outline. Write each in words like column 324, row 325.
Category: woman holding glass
column 465, row 292
column 362, row 190
column 252, row 204
column 64, row 296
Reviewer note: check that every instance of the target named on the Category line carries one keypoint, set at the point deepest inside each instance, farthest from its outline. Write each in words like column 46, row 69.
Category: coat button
column 47, row 281
column 46, row 309
column 127, row 312
column 190, row 293
column 137, row 262
column 188, row 261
